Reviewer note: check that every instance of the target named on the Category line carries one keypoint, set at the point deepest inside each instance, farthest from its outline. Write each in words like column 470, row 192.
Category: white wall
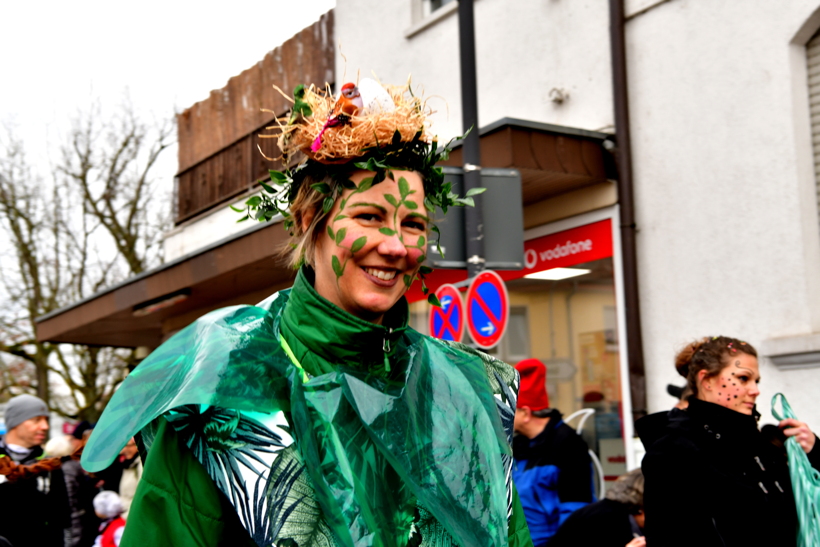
column 728, row 240
column 524, row 48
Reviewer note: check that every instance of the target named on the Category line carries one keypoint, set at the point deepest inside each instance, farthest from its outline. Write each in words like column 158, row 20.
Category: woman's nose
column 754, row 390
column 392, row 246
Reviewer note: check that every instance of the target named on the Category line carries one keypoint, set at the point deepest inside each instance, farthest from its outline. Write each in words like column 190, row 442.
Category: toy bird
column 347, row 105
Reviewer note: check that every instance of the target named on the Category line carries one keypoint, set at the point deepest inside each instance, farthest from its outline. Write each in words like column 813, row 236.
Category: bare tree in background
column 90, row 224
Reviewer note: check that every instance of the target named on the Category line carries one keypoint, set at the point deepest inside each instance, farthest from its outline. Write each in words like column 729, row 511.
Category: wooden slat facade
column 218, row 137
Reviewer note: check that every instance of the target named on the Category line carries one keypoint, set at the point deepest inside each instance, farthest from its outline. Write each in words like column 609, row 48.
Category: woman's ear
column 307, row 219
column 703, row 380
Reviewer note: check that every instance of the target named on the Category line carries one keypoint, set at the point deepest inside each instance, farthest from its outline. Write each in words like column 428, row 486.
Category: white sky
column 56, row 57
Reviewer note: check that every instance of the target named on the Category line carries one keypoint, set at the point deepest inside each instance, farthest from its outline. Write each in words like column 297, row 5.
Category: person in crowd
column 712, row 479
column 319, row 417
column 33, row 500
column 615, row 521
column 81, row 488
column 131, row 465
column 553, row 470
column 108, row 507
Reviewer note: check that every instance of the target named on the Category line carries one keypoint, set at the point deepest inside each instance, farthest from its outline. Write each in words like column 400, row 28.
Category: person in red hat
column 552, row 471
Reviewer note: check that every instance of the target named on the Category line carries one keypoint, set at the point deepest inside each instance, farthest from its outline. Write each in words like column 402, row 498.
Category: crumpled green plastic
column 371, row 445
column 805, row 483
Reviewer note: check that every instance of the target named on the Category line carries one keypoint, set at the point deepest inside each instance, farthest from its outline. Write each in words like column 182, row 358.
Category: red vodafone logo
column 582, row 244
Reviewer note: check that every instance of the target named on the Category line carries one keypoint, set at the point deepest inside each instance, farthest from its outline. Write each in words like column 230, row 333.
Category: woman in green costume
column 318, row 417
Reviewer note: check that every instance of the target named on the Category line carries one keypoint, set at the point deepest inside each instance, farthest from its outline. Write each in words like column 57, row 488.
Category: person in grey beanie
column 34, row 511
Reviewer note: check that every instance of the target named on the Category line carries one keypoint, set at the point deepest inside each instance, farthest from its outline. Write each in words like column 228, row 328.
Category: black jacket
column 713, row 480
column 33, row 512
column 605, row 523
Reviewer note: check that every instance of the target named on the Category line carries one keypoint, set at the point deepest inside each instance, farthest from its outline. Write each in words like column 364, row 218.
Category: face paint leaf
column 387, row 231
column 347, row 183
column 408, row 280
column 404, row 187
column 421, row 242
column 339, row 217
column 433, row 299
column 364, row 185
column 337, row 266
column 340, row 235
column 391, row 200
column 412, row 205
column 330, row 233
column 358, row 244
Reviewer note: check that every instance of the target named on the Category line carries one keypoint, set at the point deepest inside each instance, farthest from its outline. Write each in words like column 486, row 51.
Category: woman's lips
column 391, row 274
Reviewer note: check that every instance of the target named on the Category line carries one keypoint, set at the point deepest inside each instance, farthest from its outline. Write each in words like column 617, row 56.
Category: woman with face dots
column 711, row 477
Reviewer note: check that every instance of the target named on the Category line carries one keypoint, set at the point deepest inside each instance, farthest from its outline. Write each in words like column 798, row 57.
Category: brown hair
column 301, row 248
column 628, row 489
column 709, row 354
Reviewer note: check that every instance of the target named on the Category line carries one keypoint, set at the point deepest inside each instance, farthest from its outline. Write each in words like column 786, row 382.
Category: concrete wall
column 728, row 239
column 524, row 49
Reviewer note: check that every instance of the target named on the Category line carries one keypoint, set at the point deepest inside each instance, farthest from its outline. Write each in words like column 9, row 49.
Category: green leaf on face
column 391, row 199
column 421, row 243
column 408, row 280
column 424, row 270
column 340, row 235
column 387, row 231
column 347, row 183
column 330, row 233
column 321, row 187
column 404, row 187
column 364, row 185
column 327, row 205
column 337, row 266
column 433, row 299
column 475, row 191
column 339, row 217
column 253, row 201
column 410, row 204
column 358, row 244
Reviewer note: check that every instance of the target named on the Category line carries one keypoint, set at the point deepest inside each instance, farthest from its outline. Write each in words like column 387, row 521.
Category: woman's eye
column 367, row 217
column 415, row 225
column 743, row 379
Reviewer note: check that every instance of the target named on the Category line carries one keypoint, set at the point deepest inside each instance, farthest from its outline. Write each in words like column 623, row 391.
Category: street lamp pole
column 473, row 216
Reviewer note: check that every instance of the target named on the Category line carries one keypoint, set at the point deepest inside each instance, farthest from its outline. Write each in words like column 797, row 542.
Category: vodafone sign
column 567, row 248
column 560, row 250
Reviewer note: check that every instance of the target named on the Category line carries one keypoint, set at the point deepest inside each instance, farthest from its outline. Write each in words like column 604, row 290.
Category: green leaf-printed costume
column 366, row 435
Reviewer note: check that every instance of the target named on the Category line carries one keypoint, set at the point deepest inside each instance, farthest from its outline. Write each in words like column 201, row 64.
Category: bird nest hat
column 368, row 126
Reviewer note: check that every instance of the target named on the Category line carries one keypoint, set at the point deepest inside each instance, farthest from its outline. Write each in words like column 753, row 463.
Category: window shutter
column 813, row 61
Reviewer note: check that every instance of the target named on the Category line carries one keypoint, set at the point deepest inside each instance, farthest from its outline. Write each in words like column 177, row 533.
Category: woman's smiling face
column 735, row 387
column 371, row 244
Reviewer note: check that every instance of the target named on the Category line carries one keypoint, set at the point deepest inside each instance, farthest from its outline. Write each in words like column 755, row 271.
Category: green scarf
column 389, row 418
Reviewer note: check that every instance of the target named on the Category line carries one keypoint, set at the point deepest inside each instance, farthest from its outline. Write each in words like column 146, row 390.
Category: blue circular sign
column 488, row 308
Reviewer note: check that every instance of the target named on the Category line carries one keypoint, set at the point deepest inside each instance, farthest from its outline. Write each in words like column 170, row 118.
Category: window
column 813, row 62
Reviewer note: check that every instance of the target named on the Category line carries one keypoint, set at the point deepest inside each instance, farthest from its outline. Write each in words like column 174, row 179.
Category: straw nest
column 343, row 143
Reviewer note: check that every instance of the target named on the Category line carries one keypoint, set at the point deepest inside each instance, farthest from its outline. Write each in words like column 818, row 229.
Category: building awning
column 245, row 268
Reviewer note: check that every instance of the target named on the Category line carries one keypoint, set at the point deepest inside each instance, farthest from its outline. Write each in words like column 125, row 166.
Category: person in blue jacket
column 552, row 470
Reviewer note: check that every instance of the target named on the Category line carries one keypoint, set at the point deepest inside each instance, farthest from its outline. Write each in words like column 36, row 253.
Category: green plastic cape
column 432, row 427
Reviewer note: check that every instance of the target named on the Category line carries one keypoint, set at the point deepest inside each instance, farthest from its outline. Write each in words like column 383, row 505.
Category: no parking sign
column 488, row 307
column 447, row 322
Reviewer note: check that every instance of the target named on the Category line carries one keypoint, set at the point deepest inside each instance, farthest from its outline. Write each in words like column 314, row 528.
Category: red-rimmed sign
column 488, row 308
column 447, row 322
